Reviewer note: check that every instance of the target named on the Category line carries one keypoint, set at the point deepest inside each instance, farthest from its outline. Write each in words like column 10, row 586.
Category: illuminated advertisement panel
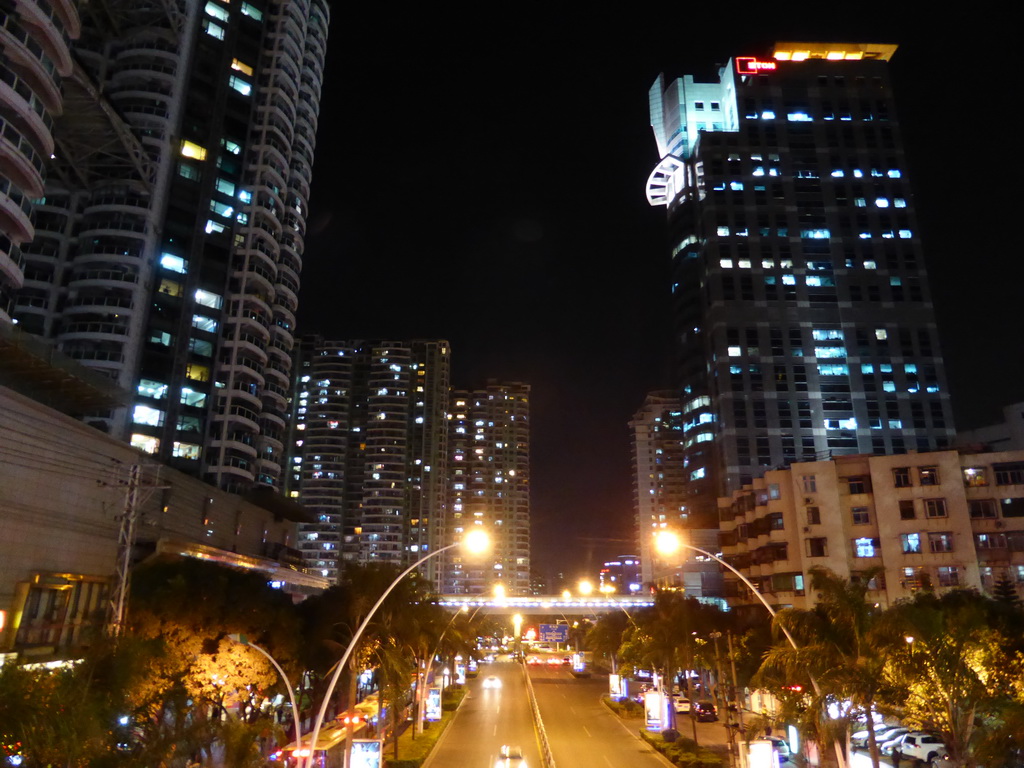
column 652, row 710
column 433, row 712
column 366, row 753
column 748, row 65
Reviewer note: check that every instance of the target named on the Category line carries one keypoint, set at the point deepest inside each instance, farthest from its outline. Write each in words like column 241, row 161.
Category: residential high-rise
column 804, row 323
column 369, row 455
column 489, row 485
column 35, row 56
column 169, row 235
column 665, row 443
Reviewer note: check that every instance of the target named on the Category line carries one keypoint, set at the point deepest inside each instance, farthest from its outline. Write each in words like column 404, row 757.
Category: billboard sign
column 366, row 753
column 433, row 712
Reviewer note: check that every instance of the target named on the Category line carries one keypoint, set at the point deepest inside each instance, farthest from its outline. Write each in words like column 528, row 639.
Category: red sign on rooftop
column 748, row 65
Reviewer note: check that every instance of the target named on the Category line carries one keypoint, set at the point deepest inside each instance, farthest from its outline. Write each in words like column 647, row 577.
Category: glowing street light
column 585, row 587
column 475, row 541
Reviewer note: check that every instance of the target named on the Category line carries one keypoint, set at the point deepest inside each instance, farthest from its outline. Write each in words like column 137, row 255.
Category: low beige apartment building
column 939, row 519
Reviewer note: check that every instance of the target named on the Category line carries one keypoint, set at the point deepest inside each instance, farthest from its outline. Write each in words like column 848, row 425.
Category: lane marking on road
column 609, row 761
column 586, row 731
column 495, row 730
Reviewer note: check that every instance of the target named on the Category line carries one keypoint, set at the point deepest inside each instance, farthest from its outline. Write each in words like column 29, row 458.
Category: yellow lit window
column 198, row 372
column 241, row 67
column 193, row 150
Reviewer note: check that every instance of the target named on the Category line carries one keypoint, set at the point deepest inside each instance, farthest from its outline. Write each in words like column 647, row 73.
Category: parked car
column 917, row 745
column 780, row 746
column 704, row 711
column 860, row 738
column 682, row 704
column 889, row 738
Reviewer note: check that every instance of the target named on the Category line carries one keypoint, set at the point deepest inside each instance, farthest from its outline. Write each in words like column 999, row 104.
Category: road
column 581, row 730
column 489, row 718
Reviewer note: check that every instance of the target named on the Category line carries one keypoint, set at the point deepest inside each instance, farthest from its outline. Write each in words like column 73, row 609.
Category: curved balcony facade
column 295, row 35
column 35, row 39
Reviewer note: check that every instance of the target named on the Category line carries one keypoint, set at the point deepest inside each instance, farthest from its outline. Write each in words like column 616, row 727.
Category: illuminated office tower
column 489, row 485
column 803, row 319
column 369, row 451
column 35, row 56
column 169, row 234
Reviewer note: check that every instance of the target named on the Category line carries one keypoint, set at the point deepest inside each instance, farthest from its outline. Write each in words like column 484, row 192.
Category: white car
column 510, row 757
column 917, row 745
column 889, row 738
column 860, row 738
column 681, row 703
column 492, row 682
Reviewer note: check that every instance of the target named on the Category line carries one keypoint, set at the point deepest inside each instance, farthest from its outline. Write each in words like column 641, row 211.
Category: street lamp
column 668, row 542
column 476, row 541
column 243, row 640
column 585, row 587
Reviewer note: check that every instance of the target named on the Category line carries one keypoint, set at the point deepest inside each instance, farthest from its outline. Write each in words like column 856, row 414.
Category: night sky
column 480, row 178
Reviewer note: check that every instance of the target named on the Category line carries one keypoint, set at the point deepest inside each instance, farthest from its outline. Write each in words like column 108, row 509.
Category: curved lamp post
column 668, row 542
column 475, row 541
column 243, row 640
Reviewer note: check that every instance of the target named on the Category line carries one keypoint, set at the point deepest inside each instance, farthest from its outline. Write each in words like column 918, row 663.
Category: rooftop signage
column 748, row 65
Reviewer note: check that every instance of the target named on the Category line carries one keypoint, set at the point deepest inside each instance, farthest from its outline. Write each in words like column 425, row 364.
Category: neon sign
column 748, row 65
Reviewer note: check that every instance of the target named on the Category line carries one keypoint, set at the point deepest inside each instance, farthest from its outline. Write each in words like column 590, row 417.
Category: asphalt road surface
column 489, row 718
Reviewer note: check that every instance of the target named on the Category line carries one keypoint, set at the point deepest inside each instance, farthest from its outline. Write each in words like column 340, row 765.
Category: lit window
column 212, row 9
column 213, row 30
column 225, row 186
column 881, row 334
column 221, row 209
column 187, row 171
column 173, row 263
column 882, row 202
column 734, row 352
column 204, row 323
column 193, row 150
column 186, row 451
column 149, row 388
column 240, row 85
column 231, row 146
column 143, row 414
column 865, row 547
column 242, row 67
column 723, row 231
column 252, row 12
column 192, row 397
column 146, row 443
column 911, row 543
column 208, row 299
column 725, row 263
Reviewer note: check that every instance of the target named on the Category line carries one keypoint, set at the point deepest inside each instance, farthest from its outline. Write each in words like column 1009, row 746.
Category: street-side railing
column 542, row 735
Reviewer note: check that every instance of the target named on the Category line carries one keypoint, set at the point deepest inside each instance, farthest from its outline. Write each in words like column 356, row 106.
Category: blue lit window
column 864, row 235
column 833, row 369
column 882, row 202
column 252, row 11
column 815, row 234
column 788, row 280
column 858, row 173
column 885, row 368
column 900, row 202
column 819, row 281
column 212, row 9
column 173, row 263
column 910, row 368
column 869, row 264
column 895, row 424
column 767, row 115
column 723, row 231
column 860, row 202
column 736, row 186
column 245, row 196
column 863, row 547
column 827, row 352
column 798, row 117
column 826, row 334
column 888, row 386
column 697, row 474
column 758, row 171
column 213, row 30
column 905, row 234
column 894, row 174
column 867, row 368
column 735, row 370
column 895, row 281
column 240, row 85
column 838, row 174
column 225, row 186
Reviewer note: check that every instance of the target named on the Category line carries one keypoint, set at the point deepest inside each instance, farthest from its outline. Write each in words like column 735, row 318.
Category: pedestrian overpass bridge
column 545, row 605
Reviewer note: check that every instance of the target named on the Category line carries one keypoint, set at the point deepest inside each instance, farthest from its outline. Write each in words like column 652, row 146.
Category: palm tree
column 840, row 646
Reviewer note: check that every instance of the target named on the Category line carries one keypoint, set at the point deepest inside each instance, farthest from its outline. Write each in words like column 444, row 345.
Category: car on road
column 492, row 682
column 704, row 712
column 780, row 746
column 510, row 757
column 682, row 704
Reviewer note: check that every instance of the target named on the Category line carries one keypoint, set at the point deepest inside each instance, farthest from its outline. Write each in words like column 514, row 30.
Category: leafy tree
column 841, row 653
column 958, row 669
column 606, row 636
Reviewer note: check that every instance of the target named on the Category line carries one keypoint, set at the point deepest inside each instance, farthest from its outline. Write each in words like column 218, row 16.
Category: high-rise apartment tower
column 169, row 236
column 489, row 485
column 369, row 451
column 804, row 322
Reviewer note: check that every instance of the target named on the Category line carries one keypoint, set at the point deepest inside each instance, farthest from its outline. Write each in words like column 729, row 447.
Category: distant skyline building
column 663, row 499
column 169, row 235
column 622, row 575
column 369, row 452
column 804, row 323
column 489, row 485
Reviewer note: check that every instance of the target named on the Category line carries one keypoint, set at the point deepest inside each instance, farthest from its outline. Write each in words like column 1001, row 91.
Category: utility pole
column 739, row 704
column 125, row 543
